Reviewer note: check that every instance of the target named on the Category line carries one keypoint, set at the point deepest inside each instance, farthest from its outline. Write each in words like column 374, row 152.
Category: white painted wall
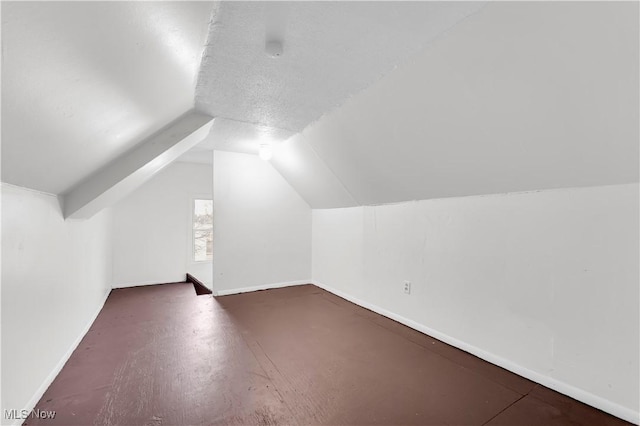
column 152, row 228
column 261, row 226
column 543, row 283
column 56, row 275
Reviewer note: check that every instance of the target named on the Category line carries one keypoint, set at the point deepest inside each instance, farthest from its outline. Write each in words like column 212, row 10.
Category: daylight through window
column 202, row 230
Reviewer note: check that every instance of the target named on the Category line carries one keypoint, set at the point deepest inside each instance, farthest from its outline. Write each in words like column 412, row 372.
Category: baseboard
column 56, row 370
column 259, row 287
column 198, row 286
column 146, row 283
column 557, row 385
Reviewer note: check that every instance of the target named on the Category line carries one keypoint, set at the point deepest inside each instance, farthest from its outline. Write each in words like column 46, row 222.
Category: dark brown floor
column 160, row 355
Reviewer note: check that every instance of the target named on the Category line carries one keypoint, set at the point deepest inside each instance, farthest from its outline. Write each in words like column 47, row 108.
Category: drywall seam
column 212, row 22
column 56, row 370
column 557, row 385
column 261, row 287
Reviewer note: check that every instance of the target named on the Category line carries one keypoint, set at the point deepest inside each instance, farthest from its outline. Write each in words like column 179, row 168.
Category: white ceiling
column 309, row 175
column 83, row 82
column 521, row 96
column 331, row 51
column 378, row 101
column 197, row 155
column 240, row 136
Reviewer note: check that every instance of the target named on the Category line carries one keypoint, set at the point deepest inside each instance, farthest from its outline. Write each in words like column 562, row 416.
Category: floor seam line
column 266, row 372
column 504, row 409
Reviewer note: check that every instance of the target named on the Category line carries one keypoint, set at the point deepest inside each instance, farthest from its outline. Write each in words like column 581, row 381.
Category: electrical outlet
column 407, row 287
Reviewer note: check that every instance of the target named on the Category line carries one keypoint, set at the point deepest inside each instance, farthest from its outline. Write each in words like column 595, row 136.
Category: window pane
column 202, row 230
column 202, row 214
column 203, row 245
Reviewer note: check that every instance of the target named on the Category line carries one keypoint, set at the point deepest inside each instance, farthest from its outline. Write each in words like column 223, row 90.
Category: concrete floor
column 160, row 355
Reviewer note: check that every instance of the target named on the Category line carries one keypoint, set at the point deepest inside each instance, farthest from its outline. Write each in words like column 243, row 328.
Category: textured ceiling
column 239, row 136
column 83, row 82
column 331, row 50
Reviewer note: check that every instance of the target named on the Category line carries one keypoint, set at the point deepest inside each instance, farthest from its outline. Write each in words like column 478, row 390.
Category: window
column 202, row 230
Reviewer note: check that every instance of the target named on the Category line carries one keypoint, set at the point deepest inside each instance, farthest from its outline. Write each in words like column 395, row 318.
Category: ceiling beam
column 122, row 176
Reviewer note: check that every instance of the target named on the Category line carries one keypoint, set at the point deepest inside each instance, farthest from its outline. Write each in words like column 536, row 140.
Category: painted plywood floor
column 160, row 355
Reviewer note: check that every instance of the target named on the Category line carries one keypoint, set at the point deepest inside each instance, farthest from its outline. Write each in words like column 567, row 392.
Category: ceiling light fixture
column 273, row 48
column 266, row 152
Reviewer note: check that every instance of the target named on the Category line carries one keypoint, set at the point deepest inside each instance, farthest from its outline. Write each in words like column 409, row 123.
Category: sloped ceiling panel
column 84, row 82
column 331, row 50
column 305, row 171
column 521, row 96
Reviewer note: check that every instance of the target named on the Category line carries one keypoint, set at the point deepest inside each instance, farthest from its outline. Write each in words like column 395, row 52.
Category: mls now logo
column 24, row 414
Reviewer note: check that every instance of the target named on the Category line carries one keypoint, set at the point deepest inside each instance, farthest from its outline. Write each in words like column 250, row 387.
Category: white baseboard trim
column 555, row 384
column 56, row 370
column 146, row 283
column 259, row 287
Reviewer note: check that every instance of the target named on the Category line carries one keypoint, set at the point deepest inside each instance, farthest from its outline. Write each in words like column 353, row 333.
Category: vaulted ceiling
column 84, row 82
column 370, row 102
